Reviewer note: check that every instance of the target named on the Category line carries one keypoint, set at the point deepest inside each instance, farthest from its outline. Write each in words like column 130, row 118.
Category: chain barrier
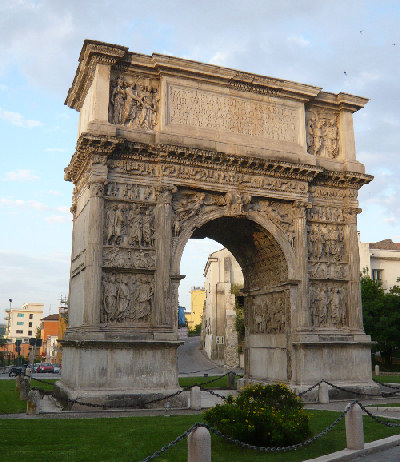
column 213, row 393
column 195, row 372
column 42, row 381
column 216, row 432
column 386, row 385
column 357, row 392
column 310, row 388
column 377, row 419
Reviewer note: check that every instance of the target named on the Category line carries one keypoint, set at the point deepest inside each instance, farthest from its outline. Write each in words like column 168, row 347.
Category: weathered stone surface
column 169, row 150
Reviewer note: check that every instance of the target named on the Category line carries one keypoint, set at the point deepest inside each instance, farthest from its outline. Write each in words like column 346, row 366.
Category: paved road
column 191, row 361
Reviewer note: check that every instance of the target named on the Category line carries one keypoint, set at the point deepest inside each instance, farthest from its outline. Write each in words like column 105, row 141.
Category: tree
column 381, row 317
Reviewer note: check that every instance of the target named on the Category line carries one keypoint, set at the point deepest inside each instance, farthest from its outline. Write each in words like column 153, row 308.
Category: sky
column 341, row 46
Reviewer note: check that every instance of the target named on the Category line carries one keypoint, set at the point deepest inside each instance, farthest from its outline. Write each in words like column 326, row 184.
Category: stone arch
column 269, row 266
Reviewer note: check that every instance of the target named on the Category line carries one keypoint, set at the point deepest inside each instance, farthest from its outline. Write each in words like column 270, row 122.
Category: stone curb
column 369, row 448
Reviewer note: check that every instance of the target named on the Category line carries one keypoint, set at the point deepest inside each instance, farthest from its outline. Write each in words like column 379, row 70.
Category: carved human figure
column 144, row 300
column 118, row 101
column 147, row 229
column 109, row 297
column 123, row 298
column 135, row 221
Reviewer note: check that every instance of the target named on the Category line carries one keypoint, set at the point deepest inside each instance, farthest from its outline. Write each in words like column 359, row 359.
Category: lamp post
column 8, row 330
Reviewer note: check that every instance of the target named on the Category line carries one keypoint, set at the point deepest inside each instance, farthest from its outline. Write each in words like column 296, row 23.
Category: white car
column 56, row 368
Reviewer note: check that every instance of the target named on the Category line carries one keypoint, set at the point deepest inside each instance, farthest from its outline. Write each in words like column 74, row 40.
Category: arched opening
column 267, row 292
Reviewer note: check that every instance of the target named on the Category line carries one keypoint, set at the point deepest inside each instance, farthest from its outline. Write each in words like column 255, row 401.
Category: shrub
column 270, row 415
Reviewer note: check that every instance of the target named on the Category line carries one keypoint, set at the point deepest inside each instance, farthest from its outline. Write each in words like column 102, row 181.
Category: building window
column 29, row 332
column 377, row 274
column 20, row 323
column 30, row 324
column 20, row 331
column 20, row 315
column 31, row 316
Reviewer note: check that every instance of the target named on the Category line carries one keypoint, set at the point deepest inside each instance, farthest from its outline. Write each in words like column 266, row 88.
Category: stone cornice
column 89, row 146
column 92, row 52
column 342, row 179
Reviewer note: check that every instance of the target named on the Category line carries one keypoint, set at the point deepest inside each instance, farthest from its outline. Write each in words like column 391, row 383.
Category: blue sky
column 305, row 41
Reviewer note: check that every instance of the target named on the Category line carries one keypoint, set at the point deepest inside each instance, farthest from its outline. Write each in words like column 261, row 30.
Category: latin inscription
column 215, row 111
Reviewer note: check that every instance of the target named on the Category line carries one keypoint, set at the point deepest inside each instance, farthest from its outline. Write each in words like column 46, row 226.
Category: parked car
column 56, row 368
column 45, row 367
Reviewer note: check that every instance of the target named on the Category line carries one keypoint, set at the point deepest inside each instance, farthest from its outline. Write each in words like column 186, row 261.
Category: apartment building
column 21, row 323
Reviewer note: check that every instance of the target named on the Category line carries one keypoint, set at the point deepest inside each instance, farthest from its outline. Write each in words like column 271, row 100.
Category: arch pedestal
column 168, row 152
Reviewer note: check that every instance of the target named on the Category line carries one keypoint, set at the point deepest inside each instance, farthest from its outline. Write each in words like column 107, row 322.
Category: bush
column 270, row 415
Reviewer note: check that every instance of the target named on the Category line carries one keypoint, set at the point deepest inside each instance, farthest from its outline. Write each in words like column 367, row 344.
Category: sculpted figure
column 147, row 229
column 122, row 301
column 109, row 297
column 118, row 101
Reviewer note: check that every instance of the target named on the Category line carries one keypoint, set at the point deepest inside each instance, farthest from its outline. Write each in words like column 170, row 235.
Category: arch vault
column 170, row 149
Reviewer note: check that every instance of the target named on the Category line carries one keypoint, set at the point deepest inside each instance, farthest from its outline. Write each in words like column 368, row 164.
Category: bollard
column 18, row 382
column 354, row 428
column 323, row 394
column 199, row 445
column 33, row 403
column 377, row 369
column 240, row 384
column 24, row 388
column 231, row 380
column 195, row 398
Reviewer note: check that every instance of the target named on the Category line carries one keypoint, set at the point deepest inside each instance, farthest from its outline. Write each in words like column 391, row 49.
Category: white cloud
column 220, row 58
column 59, row 219
column 15, row 118
column 21, row 175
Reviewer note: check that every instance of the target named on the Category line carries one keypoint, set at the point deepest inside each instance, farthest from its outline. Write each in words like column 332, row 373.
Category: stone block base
column 105, row 399
column 119, row 372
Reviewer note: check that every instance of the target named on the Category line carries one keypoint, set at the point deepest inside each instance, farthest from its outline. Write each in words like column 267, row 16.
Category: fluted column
column 301, row 250
column 94, row 250
column 162, row 314
column 354, row 290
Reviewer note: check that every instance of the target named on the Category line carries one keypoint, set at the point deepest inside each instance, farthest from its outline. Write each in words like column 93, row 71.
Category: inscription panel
column 232, row 115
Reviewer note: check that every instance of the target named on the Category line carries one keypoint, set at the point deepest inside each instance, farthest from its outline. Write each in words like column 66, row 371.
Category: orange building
column 49, row 335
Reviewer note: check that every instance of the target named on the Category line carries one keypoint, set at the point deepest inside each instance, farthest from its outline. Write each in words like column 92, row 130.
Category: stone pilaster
column 354, row 291
column 94, row 251
column 301, row 249
column 162, row 315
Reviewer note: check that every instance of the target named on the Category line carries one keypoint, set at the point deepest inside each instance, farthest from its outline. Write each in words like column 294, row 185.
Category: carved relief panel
column 326, row 245
column 322, row 133
column 328, row 304
column 129, row 225
column 279, row 213
column 268, row 313
column 134, row 101
column 127, row 298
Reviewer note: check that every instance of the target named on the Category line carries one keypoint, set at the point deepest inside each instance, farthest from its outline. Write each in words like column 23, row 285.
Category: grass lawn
column 191, row 381
column 387, row 378
column 134, row 438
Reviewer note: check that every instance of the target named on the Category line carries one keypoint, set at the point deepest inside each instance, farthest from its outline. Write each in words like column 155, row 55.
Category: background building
column 23, row 322
column 49, row 335
column 381, row 260
column 197, row 299
column 219, row 337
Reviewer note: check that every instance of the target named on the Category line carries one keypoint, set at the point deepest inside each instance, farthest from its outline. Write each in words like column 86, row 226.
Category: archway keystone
column 170, row 149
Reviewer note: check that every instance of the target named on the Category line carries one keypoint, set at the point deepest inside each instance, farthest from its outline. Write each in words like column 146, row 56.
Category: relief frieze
column 131, row 192
column 127, row 298
column 192, row 107
column 133, row 102
column 322, row 133
column 128, row 257
column 326, row 242
column 129, row 225
column 268, row 313
column 326, row 214
column 328, row 305
column 325, row 270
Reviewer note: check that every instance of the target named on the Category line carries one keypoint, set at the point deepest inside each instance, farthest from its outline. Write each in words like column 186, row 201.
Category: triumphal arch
column 171, row 149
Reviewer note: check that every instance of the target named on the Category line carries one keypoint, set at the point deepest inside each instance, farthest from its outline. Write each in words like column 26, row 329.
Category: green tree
column 381, row 313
